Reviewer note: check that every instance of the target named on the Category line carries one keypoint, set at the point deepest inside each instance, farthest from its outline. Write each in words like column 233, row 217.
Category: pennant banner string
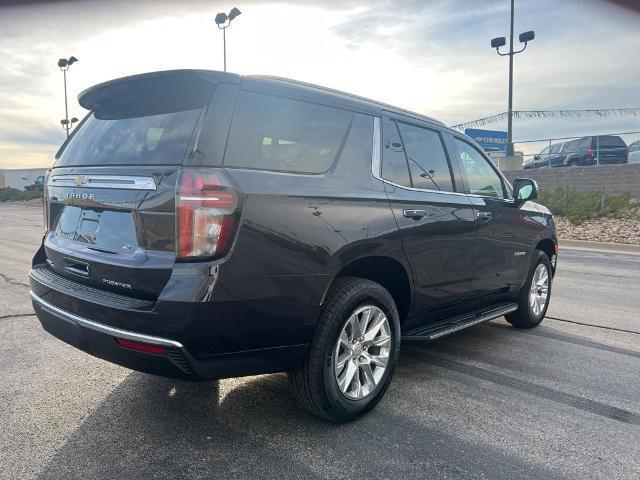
column 607, row 112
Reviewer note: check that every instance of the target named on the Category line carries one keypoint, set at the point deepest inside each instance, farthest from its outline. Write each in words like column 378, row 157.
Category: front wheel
column 533, row 299
column 353, row 354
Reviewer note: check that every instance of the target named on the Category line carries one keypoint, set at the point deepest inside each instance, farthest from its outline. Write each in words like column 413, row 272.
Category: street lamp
column 500, row 42
column 64, row 64
column 68, row 124
column 223, row 21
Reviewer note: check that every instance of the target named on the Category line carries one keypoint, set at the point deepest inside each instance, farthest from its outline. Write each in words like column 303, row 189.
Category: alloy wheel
column 362, row 352
column 539, row 291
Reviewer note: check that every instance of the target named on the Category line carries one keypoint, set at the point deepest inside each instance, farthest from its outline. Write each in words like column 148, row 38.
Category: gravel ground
column 616, row 230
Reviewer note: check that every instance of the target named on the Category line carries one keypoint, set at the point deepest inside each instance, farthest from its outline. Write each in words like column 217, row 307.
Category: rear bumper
column 100, row 340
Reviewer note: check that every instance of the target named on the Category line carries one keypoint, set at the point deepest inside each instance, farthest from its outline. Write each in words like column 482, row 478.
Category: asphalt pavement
column 491, row 402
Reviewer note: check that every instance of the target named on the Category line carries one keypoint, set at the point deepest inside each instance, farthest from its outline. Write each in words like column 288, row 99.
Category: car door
column 503, row 239
column 435, row 220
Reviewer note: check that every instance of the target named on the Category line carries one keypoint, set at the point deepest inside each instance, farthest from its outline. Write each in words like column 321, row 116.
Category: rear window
column 273, row 133
column 610, row 141
column 148, row 140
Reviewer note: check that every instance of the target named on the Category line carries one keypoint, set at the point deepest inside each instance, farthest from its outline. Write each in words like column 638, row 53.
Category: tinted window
column 610, row 141
column 584, row 143
column 556, row 148
column 354, row 165
column 427, row 160
column 482, row 179
column 274, row 133
column 150, row 139
column 544, row 151
column 394, row 163
column 572, row 145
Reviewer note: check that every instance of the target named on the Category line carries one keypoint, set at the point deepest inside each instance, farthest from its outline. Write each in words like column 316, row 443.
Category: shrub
column 8, row 194
column 578, row 206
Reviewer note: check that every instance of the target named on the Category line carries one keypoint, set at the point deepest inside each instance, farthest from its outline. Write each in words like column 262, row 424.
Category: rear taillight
column 591, row 153
column 207, row 204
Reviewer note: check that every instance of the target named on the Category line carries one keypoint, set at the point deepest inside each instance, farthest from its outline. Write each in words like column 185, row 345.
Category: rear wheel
column 574, row 162
column 353, row 354
column 533, row 299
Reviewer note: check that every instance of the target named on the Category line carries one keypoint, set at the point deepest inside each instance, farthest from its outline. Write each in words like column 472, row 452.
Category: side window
column 394, row 163
column 354, row 165
column 482, row 179
column 585, row 142
column 427, row 160
column 274, row 133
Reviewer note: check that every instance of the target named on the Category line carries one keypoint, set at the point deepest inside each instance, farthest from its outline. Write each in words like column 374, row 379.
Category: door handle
column 484, row 216
column 415, row 214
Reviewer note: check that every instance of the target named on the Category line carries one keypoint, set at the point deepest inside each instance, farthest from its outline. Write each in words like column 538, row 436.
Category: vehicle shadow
column 150, row 427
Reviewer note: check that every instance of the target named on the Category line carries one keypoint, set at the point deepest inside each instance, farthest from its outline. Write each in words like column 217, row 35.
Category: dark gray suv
column 203, row 225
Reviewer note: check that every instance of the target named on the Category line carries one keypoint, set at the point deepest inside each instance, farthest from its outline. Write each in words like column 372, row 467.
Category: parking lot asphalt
column 491, row 402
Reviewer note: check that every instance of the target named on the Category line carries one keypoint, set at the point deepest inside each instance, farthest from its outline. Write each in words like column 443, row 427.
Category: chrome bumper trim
column 99, row 327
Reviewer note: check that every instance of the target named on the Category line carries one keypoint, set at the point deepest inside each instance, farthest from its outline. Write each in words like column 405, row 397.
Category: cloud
column 432, row 57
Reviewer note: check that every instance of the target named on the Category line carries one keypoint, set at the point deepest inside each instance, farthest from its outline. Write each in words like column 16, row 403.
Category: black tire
column 524, row 317
column 574, row 162
column 313, row 382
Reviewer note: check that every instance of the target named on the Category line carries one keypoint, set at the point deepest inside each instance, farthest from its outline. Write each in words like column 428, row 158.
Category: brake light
column 206, row 204
column 591, row 153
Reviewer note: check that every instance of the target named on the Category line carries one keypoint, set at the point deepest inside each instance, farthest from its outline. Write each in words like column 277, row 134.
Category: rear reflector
column 206, row 204
column 141, row 347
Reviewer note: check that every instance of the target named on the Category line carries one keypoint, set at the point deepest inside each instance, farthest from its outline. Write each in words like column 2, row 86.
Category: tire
column 526, row 316
column 315, row 381
column 574, row 162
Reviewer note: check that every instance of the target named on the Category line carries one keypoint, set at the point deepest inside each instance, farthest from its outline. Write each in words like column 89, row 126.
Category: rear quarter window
column 611, row 141
column 281, row 134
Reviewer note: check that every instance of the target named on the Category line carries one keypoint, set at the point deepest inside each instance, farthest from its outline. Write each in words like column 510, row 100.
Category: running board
column 450, row 325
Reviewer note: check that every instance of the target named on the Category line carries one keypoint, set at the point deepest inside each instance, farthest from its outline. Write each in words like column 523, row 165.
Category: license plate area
column 109, row 231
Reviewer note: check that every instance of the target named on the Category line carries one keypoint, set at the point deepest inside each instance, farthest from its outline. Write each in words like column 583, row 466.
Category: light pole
column 223, row 21
column 64, row 64
column 500, row 42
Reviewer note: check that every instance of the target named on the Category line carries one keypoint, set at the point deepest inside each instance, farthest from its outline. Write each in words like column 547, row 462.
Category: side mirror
column 524, row 189
column 537, row 157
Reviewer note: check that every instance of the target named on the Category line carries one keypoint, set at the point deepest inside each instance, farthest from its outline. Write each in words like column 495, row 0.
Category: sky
column 432, row 57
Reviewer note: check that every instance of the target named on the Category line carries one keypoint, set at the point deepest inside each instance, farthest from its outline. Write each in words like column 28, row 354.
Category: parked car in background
column 634, row 152
column 602, row 149
column 36, row 186
column 550, row 156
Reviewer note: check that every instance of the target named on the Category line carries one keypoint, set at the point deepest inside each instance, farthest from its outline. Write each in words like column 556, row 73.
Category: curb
column 599, row 246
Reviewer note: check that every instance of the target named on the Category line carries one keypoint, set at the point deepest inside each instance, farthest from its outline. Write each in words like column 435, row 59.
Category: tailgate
column 111, row 229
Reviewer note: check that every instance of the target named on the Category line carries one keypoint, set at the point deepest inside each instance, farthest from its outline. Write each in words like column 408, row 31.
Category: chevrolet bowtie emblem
column 79, row 180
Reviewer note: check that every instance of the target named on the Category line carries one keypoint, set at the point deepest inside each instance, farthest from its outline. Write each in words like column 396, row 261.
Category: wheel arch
column 549, row 247
column 388, row 272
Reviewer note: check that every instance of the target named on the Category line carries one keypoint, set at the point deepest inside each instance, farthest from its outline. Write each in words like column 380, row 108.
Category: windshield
column 152, row 139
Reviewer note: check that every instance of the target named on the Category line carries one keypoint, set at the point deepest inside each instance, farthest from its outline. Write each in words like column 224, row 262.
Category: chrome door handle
column 415, row 214
column 484, row 216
